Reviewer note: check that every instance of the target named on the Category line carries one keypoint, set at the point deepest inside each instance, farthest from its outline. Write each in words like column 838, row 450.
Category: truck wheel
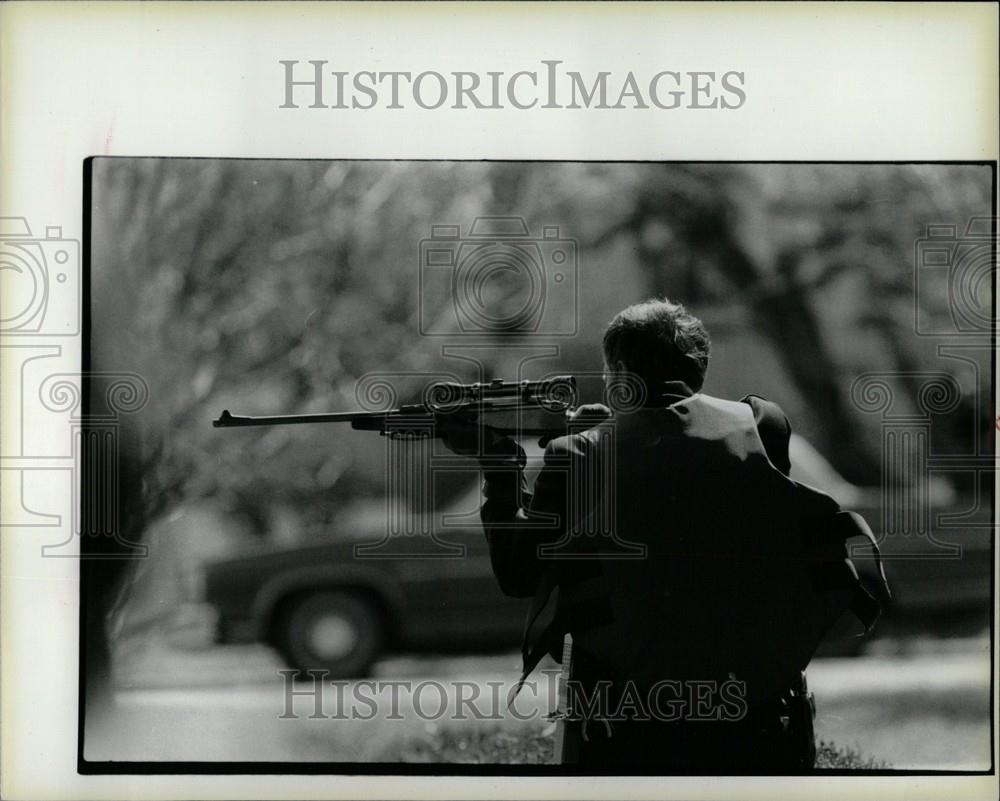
column 336, row 631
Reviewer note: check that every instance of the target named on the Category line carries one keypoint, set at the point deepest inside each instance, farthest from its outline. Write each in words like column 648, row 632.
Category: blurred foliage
column 273, row 286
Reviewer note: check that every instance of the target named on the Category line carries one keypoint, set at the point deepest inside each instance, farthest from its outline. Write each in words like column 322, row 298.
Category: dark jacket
column 672, row 544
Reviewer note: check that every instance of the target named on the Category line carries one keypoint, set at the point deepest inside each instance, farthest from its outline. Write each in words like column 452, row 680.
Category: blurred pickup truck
column 322, row 607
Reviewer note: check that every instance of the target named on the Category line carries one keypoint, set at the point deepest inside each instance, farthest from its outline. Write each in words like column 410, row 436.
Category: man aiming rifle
column 691, row 657
column 663, row 541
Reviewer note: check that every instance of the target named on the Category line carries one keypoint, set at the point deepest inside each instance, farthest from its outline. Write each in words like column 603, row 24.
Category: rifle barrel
column 227, row 420
column 551, row 422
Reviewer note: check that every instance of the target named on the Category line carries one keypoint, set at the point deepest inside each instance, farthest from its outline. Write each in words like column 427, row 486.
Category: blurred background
column 272, row 287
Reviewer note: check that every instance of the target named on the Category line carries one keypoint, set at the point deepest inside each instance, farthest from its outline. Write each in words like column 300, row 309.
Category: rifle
column 501, row 405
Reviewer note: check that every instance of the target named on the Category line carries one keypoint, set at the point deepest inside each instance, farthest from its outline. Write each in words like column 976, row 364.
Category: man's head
column 658, row 341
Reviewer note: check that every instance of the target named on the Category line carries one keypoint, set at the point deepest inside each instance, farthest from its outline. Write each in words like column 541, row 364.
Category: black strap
column 581, row 604
column 865, row 607
column 851, row 524
column 533, row 649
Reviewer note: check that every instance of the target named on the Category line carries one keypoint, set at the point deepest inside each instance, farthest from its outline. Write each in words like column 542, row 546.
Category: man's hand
column 592, row 413
column 469, row 438
column 462, row 436
column 586, row 416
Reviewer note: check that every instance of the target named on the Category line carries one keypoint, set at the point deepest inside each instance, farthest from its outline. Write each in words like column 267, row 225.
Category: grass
column 480, row 746
column 496, row 746
column 830, row 757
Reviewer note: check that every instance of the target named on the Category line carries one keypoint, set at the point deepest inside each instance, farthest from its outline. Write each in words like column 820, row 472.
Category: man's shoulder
column 766, row 413
column 771, row 422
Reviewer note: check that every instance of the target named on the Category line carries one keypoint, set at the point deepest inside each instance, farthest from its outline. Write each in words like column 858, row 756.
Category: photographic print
column 498, row 400
column 545, row 466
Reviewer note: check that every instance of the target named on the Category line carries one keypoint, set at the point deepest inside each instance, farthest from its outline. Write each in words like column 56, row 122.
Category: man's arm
column 509, row 531
column 516, row 522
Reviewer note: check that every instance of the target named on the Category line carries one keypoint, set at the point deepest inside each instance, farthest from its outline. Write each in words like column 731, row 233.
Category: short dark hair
column 658, row 341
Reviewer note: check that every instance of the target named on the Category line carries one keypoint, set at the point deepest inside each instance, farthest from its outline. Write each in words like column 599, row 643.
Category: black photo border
column 86, row 767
